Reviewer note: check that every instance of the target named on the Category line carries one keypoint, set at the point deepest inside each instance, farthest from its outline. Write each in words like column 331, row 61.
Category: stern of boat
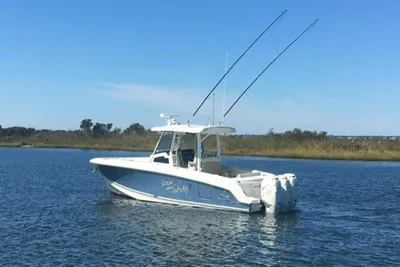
column 274, row 193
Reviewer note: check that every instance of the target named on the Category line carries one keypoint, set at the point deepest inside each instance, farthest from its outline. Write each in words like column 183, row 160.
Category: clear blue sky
column 129, row 61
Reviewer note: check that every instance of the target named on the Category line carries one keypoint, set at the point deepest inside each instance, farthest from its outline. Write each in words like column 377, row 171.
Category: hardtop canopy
column 194, row 129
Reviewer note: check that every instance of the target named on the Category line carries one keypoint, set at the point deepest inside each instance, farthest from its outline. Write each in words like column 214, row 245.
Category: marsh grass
column 263, row 146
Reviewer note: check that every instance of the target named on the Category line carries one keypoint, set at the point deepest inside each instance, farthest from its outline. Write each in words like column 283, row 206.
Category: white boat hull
column 161, row 183
column 124, row 191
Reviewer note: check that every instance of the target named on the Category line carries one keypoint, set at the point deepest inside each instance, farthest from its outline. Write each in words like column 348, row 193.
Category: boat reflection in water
column 171, row 235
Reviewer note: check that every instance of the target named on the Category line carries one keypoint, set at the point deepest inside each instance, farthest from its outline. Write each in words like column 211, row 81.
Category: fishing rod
column 272, row 62
column 239, row 59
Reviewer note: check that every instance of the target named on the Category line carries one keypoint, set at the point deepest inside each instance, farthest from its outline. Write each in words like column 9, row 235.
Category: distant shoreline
column 293, row 144
column 289, row 153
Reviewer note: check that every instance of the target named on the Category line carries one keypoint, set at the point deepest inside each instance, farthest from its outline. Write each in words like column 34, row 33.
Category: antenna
column 272, row 62
column 239, row 59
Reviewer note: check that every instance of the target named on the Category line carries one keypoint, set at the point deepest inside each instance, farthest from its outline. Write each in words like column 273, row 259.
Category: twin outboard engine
column 279, row 193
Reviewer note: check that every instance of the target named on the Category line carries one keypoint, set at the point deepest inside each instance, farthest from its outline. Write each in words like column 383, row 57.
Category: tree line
column 87, row 128
column 298, row 134
column 102, row 129
column 296, row 142
column 98, row 130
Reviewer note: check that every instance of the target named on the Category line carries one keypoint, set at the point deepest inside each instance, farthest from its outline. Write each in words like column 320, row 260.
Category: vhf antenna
column 238, row 60
column 272, row 62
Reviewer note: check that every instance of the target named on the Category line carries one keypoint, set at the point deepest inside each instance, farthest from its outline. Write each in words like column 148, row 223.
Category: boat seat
column 212, row 167
column 185, row 155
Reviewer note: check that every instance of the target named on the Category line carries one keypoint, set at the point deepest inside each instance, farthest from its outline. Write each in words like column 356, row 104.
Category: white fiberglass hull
column 162, row 183
column 122, row 190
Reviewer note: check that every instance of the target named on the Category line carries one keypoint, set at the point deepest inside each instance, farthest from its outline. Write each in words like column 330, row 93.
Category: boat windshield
column 165, row 142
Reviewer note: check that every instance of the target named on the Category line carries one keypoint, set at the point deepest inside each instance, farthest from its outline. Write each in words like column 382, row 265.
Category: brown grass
column 262, row 148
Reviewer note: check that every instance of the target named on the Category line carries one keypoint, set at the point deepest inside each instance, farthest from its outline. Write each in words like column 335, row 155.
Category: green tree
column 99, row 129
column 322, row 135
column 86, row 125
column 135, row 128
column 117, row 131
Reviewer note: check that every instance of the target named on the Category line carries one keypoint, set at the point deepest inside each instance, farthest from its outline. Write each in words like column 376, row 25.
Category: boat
column 182, row 171
column 185, row 168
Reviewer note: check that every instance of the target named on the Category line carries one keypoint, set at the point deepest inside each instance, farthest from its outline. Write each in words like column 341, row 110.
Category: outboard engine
column 285, row 196
column 292, row 190
column 271, row 194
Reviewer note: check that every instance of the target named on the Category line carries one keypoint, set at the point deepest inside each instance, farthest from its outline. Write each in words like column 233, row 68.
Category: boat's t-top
column 182, row 145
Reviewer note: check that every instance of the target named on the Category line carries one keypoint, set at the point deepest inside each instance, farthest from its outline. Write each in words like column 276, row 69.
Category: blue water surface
column 55, row 212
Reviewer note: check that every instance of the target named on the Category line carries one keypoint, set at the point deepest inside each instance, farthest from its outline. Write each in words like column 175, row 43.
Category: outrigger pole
column 272, row 62
column 239, row 59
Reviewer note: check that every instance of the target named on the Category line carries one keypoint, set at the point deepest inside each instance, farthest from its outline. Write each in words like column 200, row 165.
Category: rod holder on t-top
column 238, row 61
column 272, row 62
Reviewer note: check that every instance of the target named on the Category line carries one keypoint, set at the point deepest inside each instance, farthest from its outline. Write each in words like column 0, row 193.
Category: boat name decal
column 170, row 186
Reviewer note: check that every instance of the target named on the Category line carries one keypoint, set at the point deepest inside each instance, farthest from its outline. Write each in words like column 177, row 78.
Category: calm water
column 54, row 211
